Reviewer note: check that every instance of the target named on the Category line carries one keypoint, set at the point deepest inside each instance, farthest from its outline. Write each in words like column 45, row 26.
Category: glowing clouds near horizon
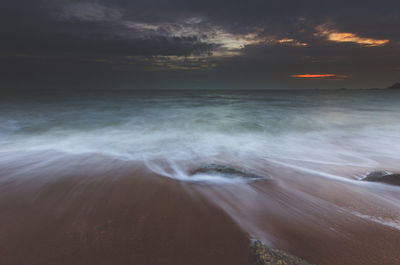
column 351, row 37
column 335, row 36
column 320, row 76
column 292, row 42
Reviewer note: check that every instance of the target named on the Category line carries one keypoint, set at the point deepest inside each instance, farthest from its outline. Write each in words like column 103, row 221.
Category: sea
column 340, row 134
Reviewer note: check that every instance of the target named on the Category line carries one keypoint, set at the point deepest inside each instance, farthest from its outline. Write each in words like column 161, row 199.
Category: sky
column 207, row 44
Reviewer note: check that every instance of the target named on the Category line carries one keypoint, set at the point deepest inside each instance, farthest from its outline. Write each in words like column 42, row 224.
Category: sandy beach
column 118, row 212
column 134, row 218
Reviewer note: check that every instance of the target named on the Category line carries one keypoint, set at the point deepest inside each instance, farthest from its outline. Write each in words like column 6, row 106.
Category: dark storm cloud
column 217, row 42
column 65, row 27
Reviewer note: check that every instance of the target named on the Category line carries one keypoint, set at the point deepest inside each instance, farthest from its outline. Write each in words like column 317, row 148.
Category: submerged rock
column 225, row 171
column 384, row 177
column 265, row 256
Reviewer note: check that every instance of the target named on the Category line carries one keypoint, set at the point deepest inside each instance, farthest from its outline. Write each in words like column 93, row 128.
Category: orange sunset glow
column 336, row 36
column 321, row 76
column 292, row 42
column 351, row 37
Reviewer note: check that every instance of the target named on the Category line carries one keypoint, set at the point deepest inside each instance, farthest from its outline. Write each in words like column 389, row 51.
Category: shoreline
column 124, row 214
column 140, row 220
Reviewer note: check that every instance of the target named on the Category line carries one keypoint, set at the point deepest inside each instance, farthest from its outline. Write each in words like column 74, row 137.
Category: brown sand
column 126, row 215
column 131, row 220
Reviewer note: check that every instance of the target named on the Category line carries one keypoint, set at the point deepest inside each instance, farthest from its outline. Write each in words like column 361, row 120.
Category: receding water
column 311, row 130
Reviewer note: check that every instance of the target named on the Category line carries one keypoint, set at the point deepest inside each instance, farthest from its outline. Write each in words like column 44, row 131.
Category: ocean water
column 336, row 134
column 280, row 163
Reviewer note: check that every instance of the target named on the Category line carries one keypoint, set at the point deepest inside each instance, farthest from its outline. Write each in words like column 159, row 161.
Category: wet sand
column 137, row 219
column 102, row 211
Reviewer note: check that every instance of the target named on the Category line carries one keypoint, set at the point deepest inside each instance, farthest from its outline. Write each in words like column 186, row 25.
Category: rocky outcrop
column 384, row 177
column 226, row 171
column 265, row 256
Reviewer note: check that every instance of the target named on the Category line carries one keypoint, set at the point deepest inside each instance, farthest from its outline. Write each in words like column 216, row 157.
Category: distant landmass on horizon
column 395, row 86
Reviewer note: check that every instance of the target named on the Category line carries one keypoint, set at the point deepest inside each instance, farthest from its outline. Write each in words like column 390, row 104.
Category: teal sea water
column 312, row 130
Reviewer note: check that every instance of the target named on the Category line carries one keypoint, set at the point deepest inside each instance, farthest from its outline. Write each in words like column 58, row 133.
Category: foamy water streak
column 315, row 130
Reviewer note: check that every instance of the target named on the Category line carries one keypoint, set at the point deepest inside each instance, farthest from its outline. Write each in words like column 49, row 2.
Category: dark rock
column 265, row 256
column 384, row 177
column 225, row 171
column 395, row 86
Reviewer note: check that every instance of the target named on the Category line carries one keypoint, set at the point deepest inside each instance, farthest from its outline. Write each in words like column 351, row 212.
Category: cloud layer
column 262, row 44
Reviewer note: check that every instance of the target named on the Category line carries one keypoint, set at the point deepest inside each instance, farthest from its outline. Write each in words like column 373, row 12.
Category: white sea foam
column 390, row 222
column 312, row 132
